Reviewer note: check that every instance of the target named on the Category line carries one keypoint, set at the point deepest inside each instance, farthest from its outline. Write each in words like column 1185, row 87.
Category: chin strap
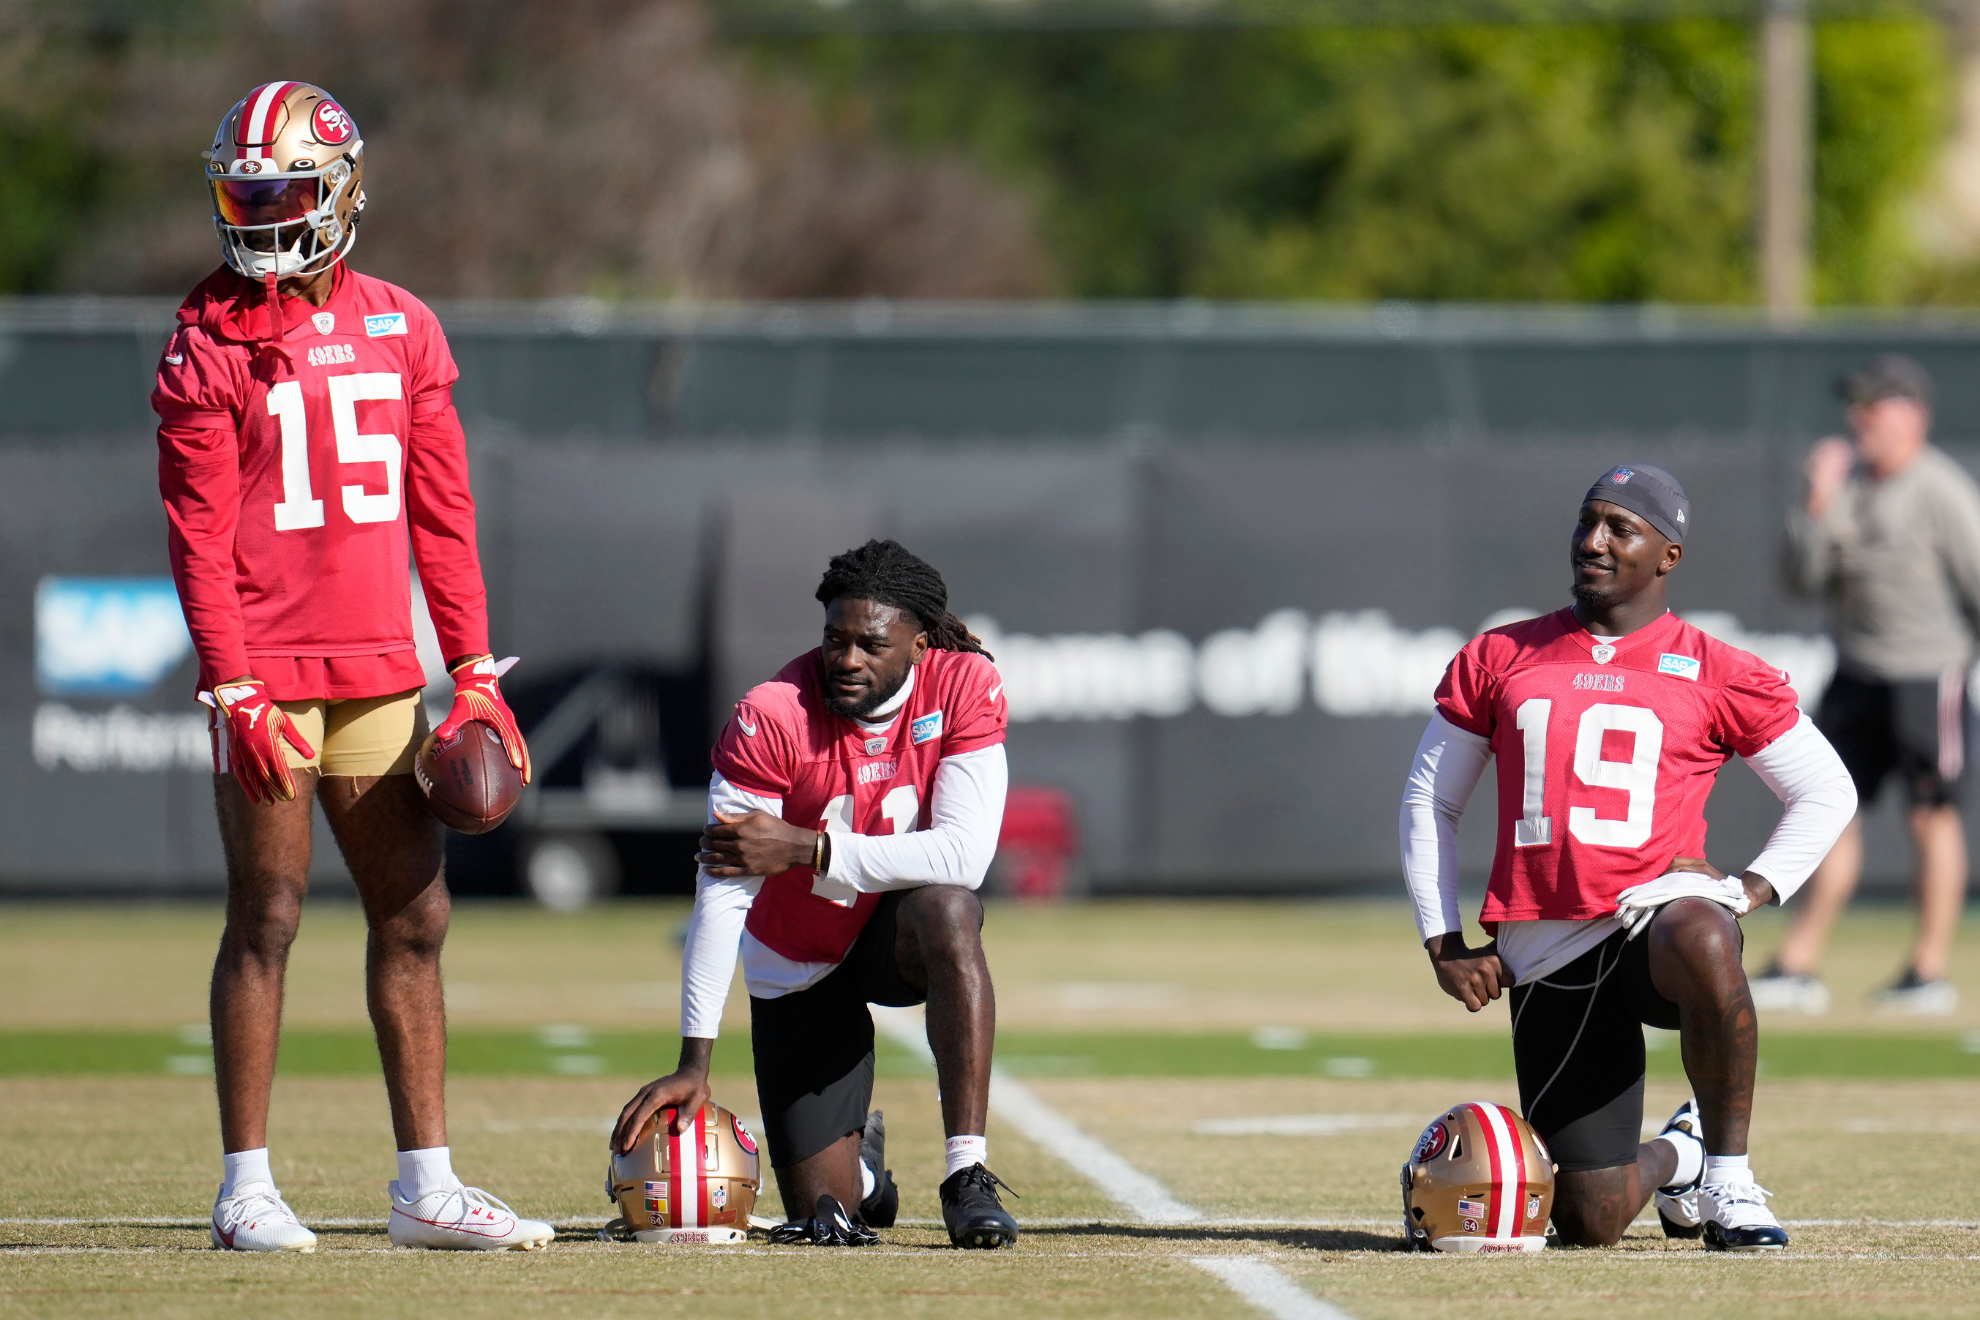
column 276, row 327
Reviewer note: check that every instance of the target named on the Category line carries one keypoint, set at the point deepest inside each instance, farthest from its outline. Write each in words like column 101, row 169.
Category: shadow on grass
column 1297, row 1239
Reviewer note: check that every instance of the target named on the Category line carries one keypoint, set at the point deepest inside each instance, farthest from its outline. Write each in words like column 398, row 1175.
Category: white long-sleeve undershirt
column 1800, row 767
column 966, row 814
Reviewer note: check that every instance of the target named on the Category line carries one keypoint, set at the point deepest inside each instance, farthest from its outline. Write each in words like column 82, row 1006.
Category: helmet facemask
column 251, row 213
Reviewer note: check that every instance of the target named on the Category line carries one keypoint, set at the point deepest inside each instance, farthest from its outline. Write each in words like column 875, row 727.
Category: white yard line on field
column 1012, row 1101
column 1257, row 1282
column 1267, row 1287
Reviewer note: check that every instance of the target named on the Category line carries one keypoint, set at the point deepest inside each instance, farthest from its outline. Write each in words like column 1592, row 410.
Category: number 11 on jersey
column 901, row 808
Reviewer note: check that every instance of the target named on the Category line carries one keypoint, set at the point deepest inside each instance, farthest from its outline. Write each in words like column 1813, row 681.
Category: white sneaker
column 1677, row 1204
column 465, row 1219
column 1737, row 1218
column 1776, row 991
column 255, row 1218
column 1915, row 998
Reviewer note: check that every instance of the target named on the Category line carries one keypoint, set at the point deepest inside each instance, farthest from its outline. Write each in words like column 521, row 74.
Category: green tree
column 1604, row 162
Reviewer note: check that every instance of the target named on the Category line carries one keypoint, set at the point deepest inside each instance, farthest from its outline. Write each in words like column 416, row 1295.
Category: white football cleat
column 1677, row 1204
column 1776, row 991
column 1737, row 1218
column 255, row 1218
column 1916, row 998
column 464, row 1219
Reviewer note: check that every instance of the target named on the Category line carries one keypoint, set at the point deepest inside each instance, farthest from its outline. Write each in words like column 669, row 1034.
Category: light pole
column 1787, row 173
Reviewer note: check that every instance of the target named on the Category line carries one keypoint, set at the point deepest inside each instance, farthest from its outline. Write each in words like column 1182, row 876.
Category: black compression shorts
column 1915, row 728
column 1578, row 1048
column 814, row 1048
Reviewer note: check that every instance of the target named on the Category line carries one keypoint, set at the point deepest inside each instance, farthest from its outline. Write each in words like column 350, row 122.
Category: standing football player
column 1610, row 720
column 308, row 451
column 854, row 809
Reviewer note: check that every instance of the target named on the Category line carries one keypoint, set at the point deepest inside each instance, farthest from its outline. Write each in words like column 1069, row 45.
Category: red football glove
column 478, row 696
column 256, row 729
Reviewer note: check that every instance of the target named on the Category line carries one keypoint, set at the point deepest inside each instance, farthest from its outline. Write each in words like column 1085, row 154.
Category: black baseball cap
column 1890, row 376
column 1650, row 492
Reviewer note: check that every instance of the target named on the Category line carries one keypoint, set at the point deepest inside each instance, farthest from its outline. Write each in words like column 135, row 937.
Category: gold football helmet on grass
column 698, row 1186
column 1479, row 1180
column 287, row 174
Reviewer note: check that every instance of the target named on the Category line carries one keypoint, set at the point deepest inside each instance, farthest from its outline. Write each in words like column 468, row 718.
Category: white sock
column 424, row 1172
column 244, row 1167
column 1691, row 1157
column 965, row 1151
column 1727, row 1169
column 867, row 1181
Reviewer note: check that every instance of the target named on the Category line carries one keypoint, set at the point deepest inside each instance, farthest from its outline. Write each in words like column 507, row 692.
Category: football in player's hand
column 468, row 780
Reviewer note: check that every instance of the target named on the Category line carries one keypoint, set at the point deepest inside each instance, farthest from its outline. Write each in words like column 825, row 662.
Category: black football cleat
column 976, row 1218
column 829, row 1226
column 879, row 1209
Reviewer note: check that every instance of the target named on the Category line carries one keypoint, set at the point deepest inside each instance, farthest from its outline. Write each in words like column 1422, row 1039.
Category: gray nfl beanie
column 1650, row 492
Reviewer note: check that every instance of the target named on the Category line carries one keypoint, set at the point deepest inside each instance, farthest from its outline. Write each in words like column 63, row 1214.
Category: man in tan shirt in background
column 1889, row 536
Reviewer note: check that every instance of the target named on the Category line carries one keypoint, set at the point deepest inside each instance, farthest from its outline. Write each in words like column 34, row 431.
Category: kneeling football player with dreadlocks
column 854, row 809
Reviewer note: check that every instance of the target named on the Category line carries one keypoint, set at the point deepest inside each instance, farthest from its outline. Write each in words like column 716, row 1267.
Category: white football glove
column 1637, row 906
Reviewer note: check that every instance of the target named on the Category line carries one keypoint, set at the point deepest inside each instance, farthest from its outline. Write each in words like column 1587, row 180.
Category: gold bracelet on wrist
column 818, row 853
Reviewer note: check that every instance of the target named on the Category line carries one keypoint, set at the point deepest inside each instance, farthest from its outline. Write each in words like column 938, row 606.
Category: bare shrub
column 558, row 147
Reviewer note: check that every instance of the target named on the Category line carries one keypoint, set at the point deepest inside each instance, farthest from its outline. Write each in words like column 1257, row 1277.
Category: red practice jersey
column 302, row 470
column 784, row 742
column 1604, row 765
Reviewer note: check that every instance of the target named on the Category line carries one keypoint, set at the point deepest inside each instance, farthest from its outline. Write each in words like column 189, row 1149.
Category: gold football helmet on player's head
column 1479, row 1180
column 696, row 1187
column 287, row 174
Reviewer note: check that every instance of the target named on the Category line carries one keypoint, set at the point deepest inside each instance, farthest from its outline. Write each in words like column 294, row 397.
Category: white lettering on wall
column 119, row 739
column 1352, row 663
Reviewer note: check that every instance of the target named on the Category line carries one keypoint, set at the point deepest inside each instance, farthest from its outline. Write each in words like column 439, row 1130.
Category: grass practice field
column 1261, row 1069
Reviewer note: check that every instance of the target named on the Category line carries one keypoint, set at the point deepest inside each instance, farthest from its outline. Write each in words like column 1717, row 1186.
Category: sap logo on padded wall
column 106, row 636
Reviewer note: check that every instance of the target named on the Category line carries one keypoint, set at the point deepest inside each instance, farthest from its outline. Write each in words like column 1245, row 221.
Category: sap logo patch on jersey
column 1599, row 682
column 385, row 323
column 330, row 355
column 927, row 728
column 1678, row 666
column 877, row 770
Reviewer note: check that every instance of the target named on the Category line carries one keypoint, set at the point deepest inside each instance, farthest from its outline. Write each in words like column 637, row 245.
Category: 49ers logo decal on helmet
column 743, row 1138
column 1431, row 1144
column 332, row 126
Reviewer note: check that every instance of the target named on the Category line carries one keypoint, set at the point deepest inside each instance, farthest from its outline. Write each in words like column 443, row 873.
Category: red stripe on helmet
column 674, row 1174
column 1484, row 1117
column 257, row 127
column 700, row 1167
column 1514, row 1202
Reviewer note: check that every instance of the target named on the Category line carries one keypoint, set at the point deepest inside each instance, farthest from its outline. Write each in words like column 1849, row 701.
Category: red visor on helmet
column 248, row 201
